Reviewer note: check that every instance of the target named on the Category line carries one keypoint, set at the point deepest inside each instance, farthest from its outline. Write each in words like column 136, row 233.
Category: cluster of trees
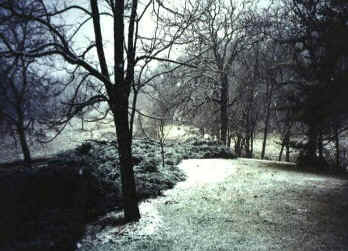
column 282, row 68
column 231, row 68
column 74, row 34
column 24, row 87
column 319, row 32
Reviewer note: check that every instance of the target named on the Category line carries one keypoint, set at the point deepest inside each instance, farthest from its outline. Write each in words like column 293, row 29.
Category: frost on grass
column 246, row 205
column 96, row 164
column 99, row 163
column 148, row 225
column 100, row 159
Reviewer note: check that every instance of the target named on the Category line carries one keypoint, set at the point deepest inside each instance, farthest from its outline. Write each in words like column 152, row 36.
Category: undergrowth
column 48, row 207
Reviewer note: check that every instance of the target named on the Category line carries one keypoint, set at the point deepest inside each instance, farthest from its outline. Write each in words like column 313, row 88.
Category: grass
column 262, row 206
column 47, row 208
column 254, row 208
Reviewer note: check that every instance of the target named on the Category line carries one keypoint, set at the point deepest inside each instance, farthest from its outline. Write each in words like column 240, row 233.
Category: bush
column 200, row 148
column 84, row 148
column 219, row 153
column 52, row 203
column 149, row 166
column 44, row 207
column 308, row 162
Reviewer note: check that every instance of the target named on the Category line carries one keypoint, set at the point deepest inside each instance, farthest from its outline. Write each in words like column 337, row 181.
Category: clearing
column 241, row 204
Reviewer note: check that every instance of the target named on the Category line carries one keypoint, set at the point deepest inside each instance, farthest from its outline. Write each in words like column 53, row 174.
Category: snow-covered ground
column 70, row 137
column 73, row 135
column 223, row 204
column 237, row 204
column 198, row 173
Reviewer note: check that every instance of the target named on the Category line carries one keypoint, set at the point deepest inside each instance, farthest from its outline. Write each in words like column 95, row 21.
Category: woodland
column 236, row 78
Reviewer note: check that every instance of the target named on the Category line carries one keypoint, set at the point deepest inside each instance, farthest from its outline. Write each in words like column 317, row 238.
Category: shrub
column 307, row 162
column 84, row 148
column 52, row 203
column 149, row 165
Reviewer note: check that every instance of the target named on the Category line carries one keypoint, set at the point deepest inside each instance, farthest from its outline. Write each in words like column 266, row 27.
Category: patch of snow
column 204, row 171
column 150, row 221
column 149, row 224
column 199, row 172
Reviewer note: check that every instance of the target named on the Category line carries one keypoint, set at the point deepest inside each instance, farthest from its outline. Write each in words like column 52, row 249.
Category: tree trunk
column 247, row 146
column 134, row 105
column 287, row 155
column 223, row 108
column 265, row 131
column 237, row 146
column 202, row 132
column 252, row 143
column 130, row 200
column 24, row 145
column 311, row 147
column 162, row 141
column 281, row 151
column 265, row 134
column 82, row 123
column 337, row 146
column 320, row 145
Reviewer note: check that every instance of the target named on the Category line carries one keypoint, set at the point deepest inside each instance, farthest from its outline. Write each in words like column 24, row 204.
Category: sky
column 86, row 34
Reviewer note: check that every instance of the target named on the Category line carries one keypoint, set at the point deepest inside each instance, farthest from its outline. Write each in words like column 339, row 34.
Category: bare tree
column 221, row 33
column 133, row 50
column 25, row 92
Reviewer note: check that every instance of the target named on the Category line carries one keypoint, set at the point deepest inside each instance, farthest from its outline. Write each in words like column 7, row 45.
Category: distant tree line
column 280, row 69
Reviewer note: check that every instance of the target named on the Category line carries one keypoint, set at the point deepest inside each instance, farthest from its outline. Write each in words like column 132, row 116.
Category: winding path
column 237, row 205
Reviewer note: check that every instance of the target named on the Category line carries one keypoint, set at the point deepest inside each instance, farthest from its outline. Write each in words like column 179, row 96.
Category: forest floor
column 240, row 204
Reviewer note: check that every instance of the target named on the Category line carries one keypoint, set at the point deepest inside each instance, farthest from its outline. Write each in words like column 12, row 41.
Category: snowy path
column 199, row 172
column 202, row 172
column 239, row 204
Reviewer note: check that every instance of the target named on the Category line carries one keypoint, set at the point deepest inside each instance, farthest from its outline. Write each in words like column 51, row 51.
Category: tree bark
column 162, row 141
column 229, row 138
column 268, row 113
column 320, row 145
column 24, row 145
column 287, row 145
column 202, row 132
column 264, row 142
column 281, row 151
column 119, row 96
column 247, row 146
column 223, row 108
column 237, row 146
column 311, row 147
column 252, row 143
column 130, row 200
column 337, row 146
column 82, row 123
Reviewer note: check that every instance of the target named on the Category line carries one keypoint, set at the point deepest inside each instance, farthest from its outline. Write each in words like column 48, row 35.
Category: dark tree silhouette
column 133, row 50
column 24, row 92
column 318, row 32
